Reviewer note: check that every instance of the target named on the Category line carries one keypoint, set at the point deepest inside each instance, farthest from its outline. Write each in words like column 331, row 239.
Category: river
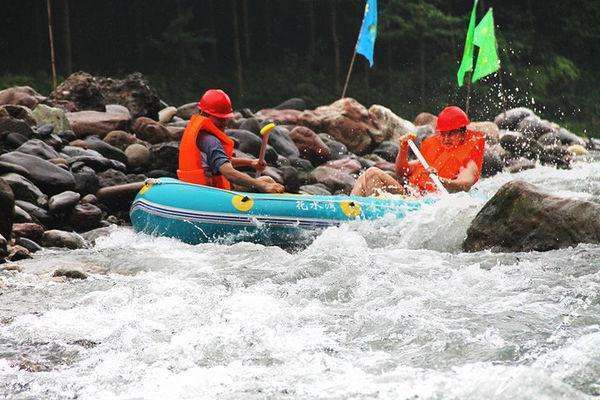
column 370, row 310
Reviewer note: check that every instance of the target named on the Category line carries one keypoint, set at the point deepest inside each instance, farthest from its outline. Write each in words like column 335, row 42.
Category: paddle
column 264, row 133
column 432, row 175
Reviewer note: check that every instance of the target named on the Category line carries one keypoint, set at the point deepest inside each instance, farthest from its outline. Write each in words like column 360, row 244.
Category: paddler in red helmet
column 454, row 153
column 206, row 152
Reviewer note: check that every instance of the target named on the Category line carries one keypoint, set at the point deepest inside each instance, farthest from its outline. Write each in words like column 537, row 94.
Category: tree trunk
column 336, row 46
column 236, row 49
column 246, row 29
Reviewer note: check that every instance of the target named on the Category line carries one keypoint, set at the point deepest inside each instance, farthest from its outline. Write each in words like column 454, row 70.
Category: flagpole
column 349, row 73
column 51, row 38
column 469, row 75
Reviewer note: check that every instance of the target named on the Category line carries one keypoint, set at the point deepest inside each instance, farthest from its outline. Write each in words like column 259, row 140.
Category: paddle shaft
column 433, row 176
column 263, row 150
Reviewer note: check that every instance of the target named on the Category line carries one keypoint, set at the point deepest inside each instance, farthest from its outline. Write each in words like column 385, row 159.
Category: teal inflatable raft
column 198, row 214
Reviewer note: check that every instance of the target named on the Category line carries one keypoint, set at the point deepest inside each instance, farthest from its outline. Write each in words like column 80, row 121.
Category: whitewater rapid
column 370, row 310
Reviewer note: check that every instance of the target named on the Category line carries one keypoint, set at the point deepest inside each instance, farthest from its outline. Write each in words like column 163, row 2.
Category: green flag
column 467, row 60
column 485, row 39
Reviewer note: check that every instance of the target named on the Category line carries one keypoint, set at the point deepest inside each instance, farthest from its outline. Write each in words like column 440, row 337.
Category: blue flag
column 368, row 32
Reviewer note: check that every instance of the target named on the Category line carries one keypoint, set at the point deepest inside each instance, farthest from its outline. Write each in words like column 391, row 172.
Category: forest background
column 265, row 51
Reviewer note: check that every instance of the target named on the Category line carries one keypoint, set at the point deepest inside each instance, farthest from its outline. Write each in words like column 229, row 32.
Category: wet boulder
column 108, row 151
column 50, row 178
column 38, row 214
column 88, row 123
column 113, row 177
column 165, row 156
column 291, row 178
column 387, row 150
column 281, row 141
column 9, row 124
column 133, row 92
column 389, row 126
column 7, row 209
column 97, row 163
column 533, row 127
column 559, row 156
column 519, row 146
column 36, row 147
column 24, row 189
column 29, row 230
column 151, row 131
column 338, row 150
column 82, row 90
column 310, row 145
column 63, row 239
column 56, row 117
column 510, row 119
column 568, row 138
column 333, row 179
column 520, row 217
column 250, row 143
column 493, row 160
column 63, row 202
column 28, row 244
column 252, row 125
column 18, row 253
column 85, row 217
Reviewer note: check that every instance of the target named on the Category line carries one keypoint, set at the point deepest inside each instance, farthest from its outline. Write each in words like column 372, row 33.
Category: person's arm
column 403, row 166
column 263, row 184
column 467, row 177
column 248, row 162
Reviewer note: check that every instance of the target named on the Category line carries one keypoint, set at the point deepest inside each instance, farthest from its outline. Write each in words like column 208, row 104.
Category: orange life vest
column 447, row 160
column 190, row 157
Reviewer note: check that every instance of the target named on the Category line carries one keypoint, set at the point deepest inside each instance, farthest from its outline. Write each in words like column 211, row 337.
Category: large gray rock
column 333, row 179
column 63, row 202
column 36, row 147
column 85, row 217
column 37, row 213
column 58, row 238
column 387, row 150
column 137, row 155
column 519, row 146
column 50, row 178
column 98, row 164
column 493, row 160
column 533, row 127
column 24, row 189
column 119, row 197
column 511, row 118
column 133, row 92
column 522, row 218
column 87, row 123
column 108, row 151
column 82, row 90
column 165, row 156
column 282, row 142
column 7, row 209
column 250, row 143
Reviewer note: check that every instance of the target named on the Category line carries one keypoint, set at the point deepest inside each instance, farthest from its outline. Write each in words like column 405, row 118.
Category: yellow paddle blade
column 267, row 128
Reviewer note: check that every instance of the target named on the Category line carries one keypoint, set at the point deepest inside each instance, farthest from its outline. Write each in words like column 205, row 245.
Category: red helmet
column 215, row 102
column 451, row 118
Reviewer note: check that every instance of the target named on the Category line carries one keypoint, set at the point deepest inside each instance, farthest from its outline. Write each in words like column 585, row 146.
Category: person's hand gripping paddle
column 432, row 174
column 264, row 133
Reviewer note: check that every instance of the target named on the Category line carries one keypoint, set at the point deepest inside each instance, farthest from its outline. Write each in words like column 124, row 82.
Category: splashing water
column 383, row 309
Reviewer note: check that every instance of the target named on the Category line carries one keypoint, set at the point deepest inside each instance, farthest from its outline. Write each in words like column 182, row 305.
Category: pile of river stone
column 73, row 161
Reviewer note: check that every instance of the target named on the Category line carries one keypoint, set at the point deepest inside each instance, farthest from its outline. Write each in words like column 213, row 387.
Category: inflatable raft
column 198, row 214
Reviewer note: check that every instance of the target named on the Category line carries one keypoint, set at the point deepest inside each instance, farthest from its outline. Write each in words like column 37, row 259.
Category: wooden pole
column 51, row 38
column 349, row 73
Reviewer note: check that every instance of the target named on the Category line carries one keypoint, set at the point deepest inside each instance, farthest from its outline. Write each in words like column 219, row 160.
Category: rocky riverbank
column 71, row 162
